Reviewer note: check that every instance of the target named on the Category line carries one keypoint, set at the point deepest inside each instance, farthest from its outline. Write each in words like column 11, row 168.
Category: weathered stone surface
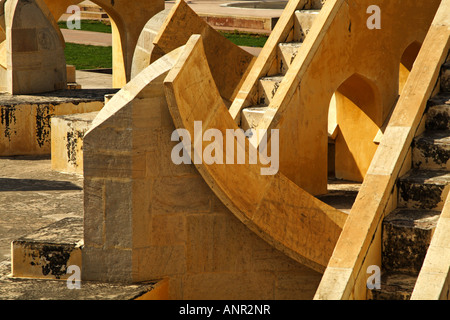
column 251, row 116
column 67, row 141
column 34, row 289
column 406, row 237
column 49, row 251
column 267, row 88
column 395, row 286
column 438, row 113
column 286, row 54
column 424, row 189
column 33, row 196
column 56, row 97
column 432, row 150
column 303, row 22
column 25, row 121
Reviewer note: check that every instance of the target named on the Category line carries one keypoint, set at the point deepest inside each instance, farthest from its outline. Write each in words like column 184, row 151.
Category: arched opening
column 407, row 62
column 88, row 45
column 355, row 117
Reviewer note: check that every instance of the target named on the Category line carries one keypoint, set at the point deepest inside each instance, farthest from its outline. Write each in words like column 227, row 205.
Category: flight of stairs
column 408, row 230
column 269, row 84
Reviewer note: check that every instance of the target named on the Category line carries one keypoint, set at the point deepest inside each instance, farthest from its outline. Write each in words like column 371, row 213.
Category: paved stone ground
column 87, row 37
column 33, row 196
column 34, row 289
column 216, row 7
column 93, row 80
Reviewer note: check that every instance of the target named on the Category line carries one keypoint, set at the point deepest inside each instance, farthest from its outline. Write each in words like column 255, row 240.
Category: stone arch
column 128, row 18
column 32, row 55
column 358, row 113
column 407, row 61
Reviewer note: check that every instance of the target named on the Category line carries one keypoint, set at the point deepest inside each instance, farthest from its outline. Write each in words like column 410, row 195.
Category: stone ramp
column 257, row 200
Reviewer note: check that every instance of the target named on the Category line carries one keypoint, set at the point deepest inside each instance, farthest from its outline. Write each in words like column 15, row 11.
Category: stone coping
column 56, row 97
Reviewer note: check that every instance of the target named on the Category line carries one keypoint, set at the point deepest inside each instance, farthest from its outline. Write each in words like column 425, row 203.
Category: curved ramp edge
column 156, row 70
column 276, row 209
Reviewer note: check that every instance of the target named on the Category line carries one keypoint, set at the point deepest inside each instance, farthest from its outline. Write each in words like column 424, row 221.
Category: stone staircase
column 269, row 84
column 408, row 230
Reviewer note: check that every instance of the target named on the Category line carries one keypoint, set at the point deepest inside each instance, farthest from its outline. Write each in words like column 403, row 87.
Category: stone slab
column 395, row 286
column 438, row 112
column 432, row 150
column 56, row 97
column 34, row 289
column 424, row 189
column 67, row 141
column 48, row 252
column 33, row 196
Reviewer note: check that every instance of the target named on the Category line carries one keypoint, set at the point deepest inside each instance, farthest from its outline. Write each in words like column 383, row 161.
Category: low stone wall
column 25, row 121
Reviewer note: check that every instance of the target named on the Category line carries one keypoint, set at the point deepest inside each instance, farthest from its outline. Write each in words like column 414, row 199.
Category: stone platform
column 33, row 196
column 40, row 206
column 34, row 289
column 25, row 120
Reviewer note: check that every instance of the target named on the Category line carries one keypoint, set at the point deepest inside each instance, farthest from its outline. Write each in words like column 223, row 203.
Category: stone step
column 431, row 150
column 48, row 252
column 395, row 286
column 423, row 189
column 445, row 77
column 406, row 237
column 67, row 141
column 303, row 21
column 267, row 87
column 341, row 194
column 92, row 15
column 286, row 54
column 91, row 8
column 438, row 112
column 51, row 290
column 250, row 117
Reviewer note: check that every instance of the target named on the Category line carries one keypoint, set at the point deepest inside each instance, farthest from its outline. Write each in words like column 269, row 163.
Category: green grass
column 94, row 57
column 245, row 39
column 89, row 25
column 88, row 57
column 238, row 38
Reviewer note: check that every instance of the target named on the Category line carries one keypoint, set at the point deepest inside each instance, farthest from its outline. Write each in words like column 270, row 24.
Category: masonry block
column 67, row 141
column 48, row 252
